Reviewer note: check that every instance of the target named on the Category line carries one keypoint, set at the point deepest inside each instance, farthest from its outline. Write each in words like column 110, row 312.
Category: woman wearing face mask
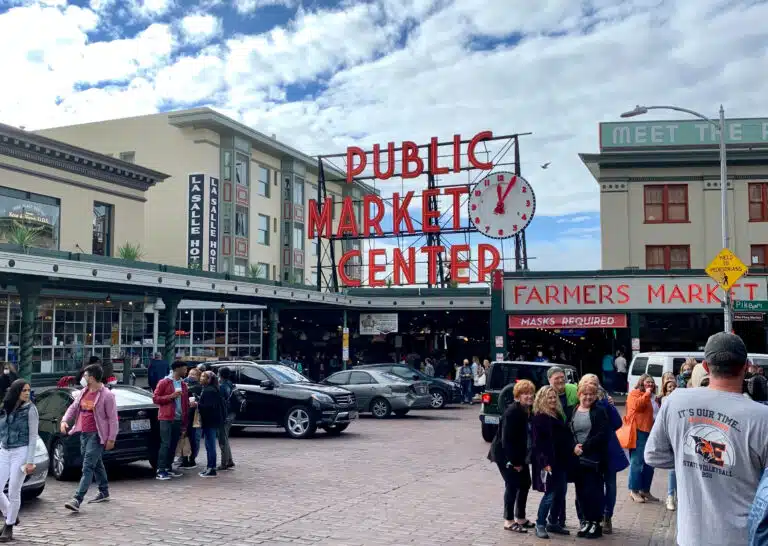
column 684, row 379
column 8, row 377
column 18, row 438
column 511, row 451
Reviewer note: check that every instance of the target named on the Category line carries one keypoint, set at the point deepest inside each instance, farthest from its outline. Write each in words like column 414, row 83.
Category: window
column 298, row 237
column 298, row 191
column 655, row 370
column 314, row 246
column 340, row 378
column 129, row 157
column 638, row 366
column 226, row 219
column 241, row 222
column 262, row 184
column 758, row 253
column 102, row 229
column 758, row 202
column 241, row 174
column 227, row 165
column 263, row 235
column 250, row 375
column 29, row 218
column 241, row 267
column 668, row 257
column 261, row 271
column 666, row 204
column 360, row 378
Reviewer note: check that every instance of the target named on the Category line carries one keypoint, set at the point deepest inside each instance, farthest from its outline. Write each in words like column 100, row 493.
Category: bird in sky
column 545, row 165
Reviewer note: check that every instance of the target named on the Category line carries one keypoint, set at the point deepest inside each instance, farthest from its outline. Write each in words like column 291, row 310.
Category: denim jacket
column 19, row 429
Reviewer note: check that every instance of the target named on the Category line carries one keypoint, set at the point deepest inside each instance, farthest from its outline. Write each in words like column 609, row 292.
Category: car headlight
column 40, row 449
column 322, row 398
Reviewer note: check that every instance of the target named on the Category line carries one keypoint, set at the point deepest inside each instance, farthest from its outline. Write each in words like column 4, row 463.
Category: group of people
column 472, row 378
column 563, row 433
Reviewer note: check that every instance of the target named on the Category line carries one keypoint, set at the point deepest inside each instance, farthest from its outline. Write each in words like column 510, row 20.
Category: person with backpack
column 233, row 402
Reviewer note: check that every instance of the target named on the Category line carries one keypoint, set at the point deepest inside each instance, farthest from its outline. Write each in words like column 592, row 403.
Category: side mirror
column 267, row 385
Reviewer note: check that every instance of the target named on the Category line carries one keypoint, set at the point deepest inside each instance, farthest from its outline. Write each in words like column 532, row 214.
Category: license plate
column 140, row 425
column 491, row 420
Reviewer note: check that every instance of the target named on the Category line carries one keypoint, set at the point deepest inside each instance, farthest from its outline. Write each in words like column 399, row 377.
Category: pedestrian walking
column 172, row 398
column 429, row 369
column 511, row 451
column 621, row 372
column 668, row 385
column 714, row 439
column 18, row 439
column 212, row 414
column 8, row 377
column 233, row 402
column 465, row 380
column 94, row 414
column 158, row 369
column 641, row 407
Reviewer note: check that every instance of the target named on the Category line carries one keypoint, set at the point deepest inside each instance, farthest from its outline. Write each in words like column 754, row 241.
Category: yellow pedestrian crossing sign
column 726, row 269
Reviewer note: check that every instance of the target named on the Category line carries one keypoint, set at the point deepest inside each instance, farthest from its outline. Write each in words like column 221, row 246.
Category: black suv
column 278, row 396
column 502, row 377
column 442, row 391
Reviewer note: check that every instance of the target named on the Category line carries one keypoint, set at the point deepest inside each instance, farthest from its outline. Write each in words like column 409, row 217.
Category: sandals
column 516, row 528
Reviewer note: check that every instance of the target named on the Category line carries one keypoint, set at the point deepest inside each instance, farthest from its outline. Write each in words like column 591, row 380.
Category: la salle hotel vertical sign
column 213, row 224
column 195, row 221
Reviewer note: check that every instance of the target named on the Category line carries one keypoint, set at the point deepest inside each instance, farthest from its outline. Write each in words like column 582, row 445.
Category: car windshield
column 131, row 397
column 284, row 374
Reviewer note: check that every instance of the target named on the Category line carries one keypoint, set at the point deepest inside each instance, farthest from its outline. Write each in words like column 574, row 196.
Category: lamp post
column 720, row 126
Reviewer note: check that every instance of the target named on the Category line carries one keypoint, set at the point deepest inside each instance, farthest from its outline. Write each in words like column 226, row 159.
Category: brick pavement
column 419, row 480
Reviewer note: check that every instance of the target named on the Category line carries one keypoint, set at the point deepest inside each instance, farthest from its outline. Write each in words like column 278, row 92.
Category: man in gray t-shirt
column 715, row 440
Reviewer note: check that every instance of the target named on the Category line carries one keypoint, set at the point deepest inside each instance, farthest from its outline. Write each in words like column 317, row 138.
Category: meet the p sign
column 502, row 205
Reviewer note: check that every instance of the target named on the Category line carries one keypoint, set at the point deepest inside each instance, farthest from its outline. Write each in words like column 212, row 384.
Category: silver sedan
column 382, row 393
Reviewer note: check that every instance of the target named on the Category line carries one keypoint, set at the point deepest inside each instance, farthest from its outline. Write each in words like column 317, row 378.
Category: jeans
column 93, row 467
column 516, row 487
column 553, row 501
column 589, row 493
column 209, row 435
column 194, row 436
column 608, row 381
column 466, row 388
column 170, row 432
column 558, row 517
column 640, row 474
column 10, row 473
column 609, row 478
column 672, row 484
column 226, row 452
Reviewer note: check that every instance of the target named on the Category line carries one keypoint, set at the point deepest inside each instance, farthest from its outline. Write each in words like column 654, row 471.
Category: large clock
column 501, row 205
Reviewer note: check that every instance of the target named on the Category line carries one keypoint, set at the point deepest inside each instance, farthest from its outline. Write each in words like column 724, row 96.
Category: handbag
column 627, row 434
column 591, row 464
column 196, row 420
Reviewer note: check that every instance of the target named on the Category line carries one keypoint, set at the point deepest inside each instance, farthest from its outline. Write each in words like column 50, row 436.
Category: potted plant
column 130, row 252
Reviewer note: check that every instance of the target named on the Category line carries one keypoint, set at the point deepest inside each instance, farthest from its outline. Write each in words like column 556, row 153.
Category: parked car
column 34, row 484
column 502, row 377
column 382, row 393
column 441, row 390
column 137, row 437
column 278, row 396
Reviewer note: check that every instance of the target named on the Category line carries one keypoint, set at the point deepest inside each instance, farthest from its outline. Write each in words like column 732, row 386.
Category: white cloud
column 190, row 79
column 574, row 219
column 199, row 28
column 149, row 9
column 245, row 7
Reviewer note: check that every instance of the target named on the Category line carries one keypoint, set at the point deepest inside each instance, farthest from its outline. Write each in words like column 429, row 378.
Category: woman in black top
column 510, row 451
column 8, row 377
column 552, row 452
column 211, row 408
column 591, row 428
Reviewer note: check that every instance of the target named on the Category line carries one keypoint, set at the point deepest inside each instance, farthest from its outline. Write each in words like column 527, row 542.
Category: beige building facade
column 263, row 188
column 660, row 201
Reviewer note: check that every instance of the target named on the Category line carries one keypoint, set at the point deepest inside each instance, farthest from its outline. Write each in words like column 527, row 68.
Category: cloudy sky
column 324, row 74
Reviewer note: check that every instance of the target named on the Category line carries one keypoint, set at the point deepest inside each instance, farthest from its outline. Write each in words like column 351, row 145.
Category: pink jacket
column 104, row 412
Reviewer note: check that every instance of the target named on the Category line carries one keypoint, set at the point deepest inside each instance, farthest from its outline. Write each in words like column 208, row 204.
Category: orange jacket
column 639, row 406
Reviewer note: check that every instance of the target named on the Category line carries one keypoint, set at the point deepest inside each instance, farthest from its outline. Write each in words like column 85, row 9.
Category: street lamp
column 720, row 126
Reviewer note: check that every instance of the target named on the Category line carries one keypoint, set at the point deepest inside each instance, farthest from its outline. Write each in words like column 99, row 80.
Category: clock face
column 502, row 205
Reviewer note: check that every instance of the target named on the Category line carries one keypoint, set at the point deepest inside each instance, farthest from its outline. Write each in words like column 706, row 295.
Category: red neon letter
column 374, row 268
column 432, row 252
column 320, row 221
column 352, row 170
column 375, row 220
column 456, row 153
column 456, row 193
column 347, row 221
column 428, row 215
column 405, row 266
column 400, row 213
column 377, row 172
column 458, row 264
column 482, row 267
column 411, row 155
column 479, row 137
column 433, row 161
column 345, row 280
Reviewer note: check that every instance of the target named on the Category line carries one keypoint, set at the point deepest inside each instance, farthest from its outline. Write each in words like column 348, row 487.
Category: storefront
column 597, row 313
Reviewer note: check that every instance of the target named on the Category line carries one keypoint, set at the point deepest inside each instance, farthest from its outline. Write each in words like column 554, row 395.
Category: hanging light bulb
column 108, row 301
column 222, row 309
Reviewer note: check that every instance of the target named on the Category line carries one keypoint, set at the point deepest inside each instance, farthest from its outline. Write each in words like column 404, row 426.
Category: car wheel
column 401, row 412
column 489, row 431
column 29, row 494
column 335, row 430
column 380, row 408
column 59, row 467
column 438, row 399
column 299, row 423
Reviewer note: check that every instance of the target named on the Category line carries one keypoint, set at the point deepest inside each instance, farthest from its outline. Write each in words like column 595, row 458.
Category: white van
column 656, row 364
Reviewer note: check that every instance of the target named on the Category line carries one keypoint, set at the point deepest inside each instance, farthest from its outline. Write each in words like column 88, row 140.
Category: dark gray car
column 382, row 393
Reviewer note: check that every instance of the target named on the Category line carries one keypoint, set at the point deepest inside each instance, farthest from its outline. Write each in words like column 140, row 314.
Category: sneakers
column 208, row 473
column 648, row 497
column 541, row 531
column 584, row 529
column 671, row 504
column 163, row 476
column 174, row 474
column 636, row 496
column 101, row 497
column 607, row 526
column 73, row 505
column 7, row 533
column 189, row 463
column 556, row 529
column 595, row 530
